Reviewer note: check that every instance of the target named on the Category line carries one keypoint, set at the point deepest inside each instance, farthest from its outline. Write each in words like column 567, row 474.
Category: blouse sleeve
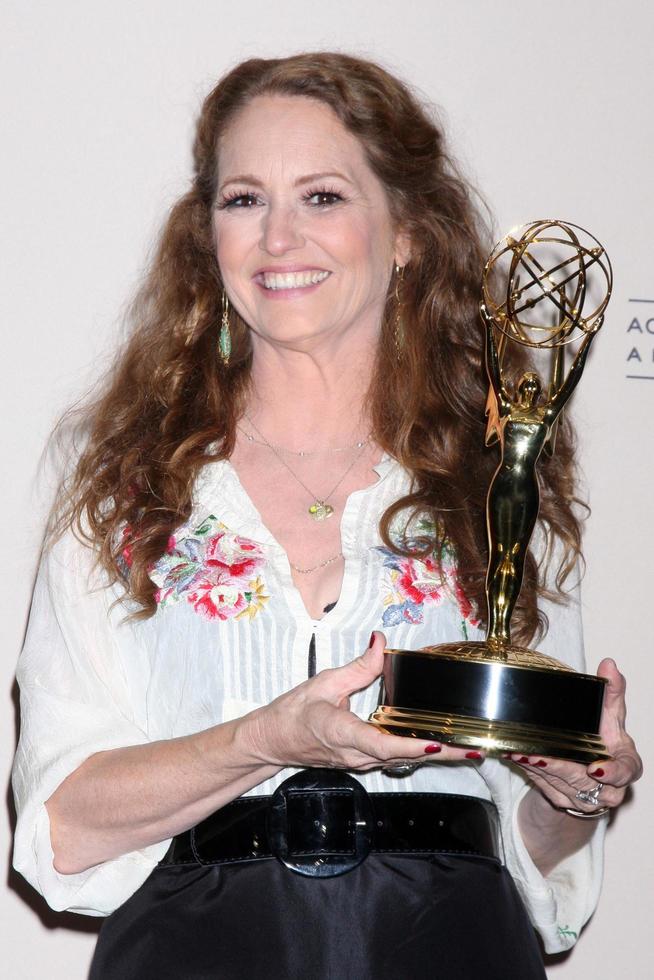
column 562, row 903
column 75, row 701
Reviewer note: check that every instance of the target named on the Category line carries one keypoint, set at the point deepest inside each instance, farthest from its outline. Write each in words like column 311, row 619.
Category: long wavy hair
column 170, row 405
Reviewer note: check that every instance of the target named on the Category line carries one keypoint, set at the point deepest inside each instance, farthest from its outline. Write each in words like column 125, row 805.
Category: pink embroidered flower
column 216, row 603
column 234, row 560
column 419, row 579
column 410, row 584
column 215, row 571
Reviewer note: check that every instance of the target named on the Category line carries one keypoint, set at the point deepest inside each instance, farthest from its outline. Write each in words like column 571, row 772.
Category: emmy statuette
column 545, row 286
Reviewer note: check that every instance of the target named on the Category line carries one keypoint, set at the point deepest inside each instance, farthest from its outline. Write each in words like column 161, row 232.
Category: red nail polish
column 371, row 640
column 473, row 755
column 598, row 772
column 541, row 763
column 432, row 748
column 523, row 758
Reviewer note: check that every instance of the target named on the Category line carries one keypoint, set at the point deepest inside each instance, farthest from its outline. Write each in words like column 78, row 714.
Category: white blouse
column 230, row 634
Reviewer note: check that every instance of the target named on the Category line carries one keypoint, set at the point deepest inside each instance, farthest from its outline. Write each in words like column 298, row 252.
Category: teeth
column 292, row 280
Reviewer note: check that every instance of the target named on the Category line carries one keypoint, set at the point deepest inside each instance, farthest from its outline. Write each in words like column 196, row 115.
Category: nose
column 280, row 230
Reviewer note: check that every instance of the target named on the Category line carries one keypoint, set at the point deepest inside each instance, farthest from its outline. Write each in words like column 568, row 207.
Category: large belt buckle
column 320, row 823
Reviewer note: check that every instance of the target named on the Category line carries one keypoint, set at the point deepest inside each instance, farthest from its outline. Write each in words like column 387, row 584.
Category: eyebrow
column 300, row 182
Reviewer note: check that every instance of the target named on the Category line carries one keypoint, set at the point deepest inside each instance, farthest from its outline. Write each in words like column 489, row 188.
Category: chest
column 301, row 501
column 233, row 632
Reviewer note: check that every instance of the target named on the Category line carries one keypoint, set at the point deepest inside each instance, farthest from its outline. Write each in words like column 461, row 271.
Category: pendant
column 320, row 511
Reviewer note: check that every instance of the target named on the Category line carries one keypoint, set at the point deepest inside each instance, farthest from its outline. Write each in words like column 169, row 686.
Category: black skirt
column 435, row 917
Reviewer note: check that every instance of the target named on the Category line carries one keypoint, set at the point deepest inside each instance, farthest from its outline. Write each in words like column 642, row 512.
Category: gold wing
column 493, row 416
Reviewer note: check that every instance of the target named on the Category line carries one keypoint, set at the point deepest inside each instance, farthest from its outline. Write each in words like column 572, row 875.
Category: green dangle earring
column 398, row 326
column 225, row 338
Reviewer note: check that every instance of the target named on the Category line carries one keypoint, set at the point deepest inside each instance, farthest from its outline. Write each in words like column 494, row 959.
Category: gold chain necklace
column 319, row 509
column 303, row 452
column 314, row 568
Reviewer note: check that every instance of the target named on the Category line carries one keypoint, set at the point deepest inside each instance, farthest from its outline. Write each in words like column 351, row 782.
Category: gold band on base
column 495, row 737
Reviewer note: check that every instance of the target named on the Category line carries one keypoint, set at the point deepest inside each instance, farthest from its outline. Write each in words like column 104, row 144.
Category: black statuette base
column 467, row 694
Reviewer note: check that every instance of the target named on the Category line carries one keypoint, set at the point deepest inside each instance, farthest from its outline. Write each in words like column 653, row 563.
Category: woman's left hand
column 561, row 781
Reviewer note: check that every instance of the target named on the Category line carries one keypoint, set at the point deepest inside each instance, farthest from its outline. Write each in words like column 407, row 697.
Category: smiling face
column 304, row 236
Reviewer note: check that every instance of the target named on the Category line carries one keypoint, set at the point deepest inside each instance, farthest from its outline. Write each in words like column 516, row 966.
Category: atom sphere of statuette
column 546, row 281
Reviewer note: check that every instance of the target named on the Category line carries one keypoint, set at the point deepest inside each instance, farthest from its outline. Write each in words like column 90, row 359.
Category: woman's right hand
column 124, row 799
column 312, row 725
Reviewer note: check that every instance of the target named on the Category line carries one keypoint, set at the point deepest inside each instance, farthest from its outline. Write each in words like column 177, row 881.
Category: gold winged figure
column 523, row 424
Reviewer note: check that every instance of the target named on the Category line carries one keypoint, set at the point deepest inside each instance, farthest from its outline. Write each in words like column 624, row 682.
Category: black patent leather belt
column 322, row 822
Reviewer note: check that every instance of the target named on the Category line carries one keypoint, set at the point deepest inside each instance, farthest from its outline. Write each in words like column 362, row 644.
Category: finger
column 624, row 768
column 386, row 747
column 554, row 786
column 614, row 709
column 561, row 794
column 566, row 776
column 336, row 684
column 377, row 640
column 383, row 746
column 364, row 669
column 339, row 683
column 621, row 770
column 562, row 777
column 559, row 779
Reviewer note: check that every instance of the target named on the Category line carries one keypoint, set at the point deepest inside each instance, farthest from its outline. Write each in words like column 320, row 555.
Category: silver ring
column 592, row 815
column 403, row 769
column 592, row 796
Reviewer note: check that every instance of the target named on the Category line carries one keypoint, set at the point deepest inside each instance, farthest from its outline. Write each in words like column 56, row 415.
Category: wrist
column 250, row 737
column 549, row 833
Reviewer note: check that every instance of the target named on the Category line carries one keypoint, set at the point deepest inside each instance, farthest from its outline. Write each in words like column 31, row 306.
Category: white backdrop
column 549, row 109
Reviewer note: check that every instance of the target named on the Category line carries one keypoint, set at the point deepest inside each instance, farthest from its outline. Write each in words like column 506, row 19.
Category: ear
column 403, row 248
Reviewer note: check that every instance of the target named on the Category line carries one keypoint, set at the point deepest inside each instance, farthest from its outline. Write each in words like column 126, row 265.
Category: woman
column 287, row 459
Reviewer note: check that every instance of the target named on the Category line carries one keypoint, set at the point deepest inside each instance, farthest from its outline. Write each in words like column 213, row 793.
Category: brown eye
column 323, row 198
column 239, row 201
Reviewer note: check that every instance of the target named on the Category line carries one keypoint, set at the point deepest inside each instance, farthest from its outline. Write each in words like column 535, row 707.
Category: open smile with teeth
column 291, row 280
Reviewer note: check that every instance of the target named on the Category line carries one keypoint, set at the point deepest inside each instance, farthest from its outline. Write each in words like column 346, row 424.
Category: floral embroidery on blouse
column 410, row 584
column 216, row 571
